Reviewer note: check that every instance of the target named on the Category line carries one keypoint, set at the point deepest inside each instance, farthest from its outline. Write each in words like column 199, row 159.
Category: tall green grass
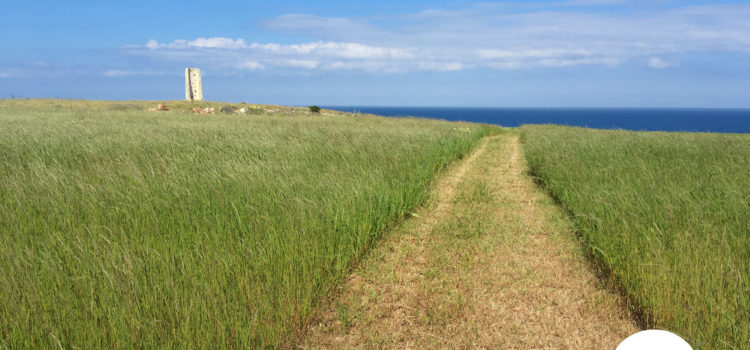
column 121, row 228
column 667, row 213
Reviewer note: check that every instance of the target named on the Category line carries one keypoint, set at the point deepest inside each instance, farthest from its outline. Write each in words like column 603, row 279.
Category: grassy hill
column 667, row 214
column 123, row 228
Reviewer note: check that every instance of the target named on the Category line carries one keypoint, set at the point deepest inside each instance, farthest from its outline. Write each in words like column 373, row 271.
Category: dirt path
column 490, row 262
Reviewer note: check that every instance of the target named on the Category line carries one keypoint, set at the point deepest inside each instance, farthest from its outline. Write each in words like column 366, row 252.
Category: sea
column 639, row 119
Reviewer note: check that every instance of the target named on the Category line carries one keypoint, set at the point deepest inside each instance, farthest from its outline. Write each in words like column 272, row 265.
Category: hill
column 121, row 227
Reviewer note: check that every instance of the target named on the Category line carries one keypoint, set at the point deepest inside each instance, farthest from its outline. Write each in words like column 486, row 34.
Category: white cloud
column 254, row 56
column 116, row 73
column 152, row 44
column 532, row 53
column 491, row 35
column 267, row 47
column 308, row 64
column 502, row 26
column 323, row 27
column 251, row 65
column 221, row 43
column 658, row 63
column 216, row 43
column 352, row 50
column 441, row 66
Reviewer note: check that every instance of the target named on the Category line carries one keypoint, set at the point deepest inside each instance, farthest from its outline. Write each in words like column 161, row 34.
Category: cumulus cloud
column 221, row 43
column 490, row 35
column 307, row 56
column 152, row 44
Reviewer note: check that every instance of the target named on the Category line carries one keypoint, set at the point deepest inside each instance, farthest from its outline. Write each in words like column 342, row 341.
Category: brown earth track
column 490, row 262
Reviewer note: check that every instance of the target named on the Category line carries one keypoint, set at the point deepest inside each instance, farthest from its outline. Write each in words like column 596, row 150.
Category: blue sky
column 574, row 53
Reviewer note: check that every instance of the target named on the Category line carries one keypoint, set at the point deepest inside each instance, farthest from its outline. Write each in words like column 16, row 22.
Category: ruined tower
column 193, row 88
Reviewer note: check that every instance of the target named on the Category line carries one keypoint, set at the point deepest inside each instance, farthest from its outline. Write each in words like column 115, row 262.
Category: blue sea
column 662, row 119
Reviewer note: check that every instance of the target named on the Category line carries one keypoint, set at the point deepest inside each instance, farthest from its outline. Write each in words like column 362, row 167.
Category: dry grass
column 491, row 262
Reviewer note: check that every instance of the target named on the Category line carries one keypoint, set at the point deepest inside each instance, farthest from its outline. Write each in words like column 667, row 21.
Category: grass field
column 123, row 228
column 490, row 262
column 666, row 214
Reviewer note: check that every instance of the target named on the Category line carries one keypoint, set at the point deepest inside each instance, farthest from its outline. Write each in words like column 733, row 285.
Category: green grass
column 122, row 228
column 667, row 214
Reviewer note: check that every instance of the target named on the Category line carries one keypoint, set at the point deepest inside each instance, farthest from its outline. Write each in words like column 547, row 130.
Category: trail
column 490, row 262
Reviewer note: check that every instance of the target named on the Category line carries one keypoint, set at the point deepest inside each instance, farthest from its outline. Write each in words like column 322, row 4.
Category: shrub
column 314, row 109
column 226, row 109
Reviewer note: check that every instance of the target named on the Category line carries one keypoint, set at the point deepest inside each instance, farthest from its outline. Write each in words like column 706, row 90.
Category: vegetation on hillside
column 667, row 214
column 124, row 228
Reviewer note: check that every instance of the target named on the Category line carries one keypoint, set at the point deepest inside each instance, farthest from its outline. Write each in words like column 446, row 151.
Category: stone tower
column 193, row 88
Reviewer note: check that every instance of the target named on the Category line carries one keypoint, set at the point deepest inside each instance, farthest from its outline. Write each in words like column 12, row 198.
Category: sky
column 564, row 53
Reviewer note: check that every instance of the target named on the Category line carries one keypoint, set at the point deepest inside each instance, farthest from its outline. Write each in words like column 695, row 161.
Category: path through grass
column 490, row 262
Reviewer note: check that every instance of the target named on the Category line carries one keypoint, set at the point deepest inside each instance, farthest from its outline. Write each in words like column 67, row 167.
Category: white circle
column 654, row 339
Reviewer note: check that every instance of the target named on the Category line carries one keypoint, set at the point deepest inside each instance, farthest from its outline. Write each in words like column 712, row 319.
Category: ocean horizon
column 722, row 120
